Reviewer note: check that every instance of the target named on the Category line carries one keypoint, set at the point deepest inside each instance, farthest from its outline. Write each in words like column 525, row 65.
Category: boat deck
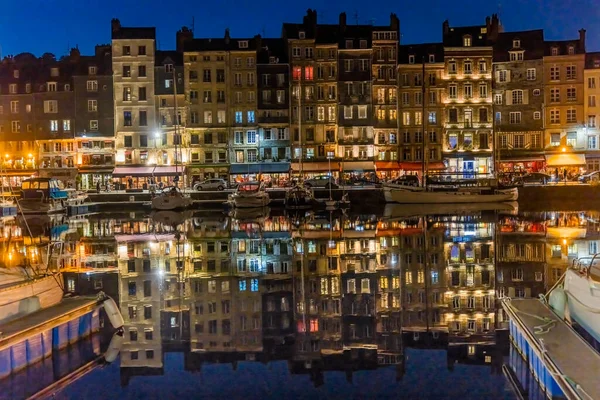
column 19, row 329
column 573, row 356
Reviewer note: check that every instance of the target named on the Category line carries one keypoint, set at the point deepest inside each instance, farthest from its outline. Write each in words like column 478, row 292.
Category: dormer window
column 516, row 43
column 348, row 44
column 272, row 60
column 363, row 44
column 571, row 50
column 243, row 44
column 301, row 35
column 432, row 58
column 51, row 86
column 92, row 70
column 467, row 41
column 516, row 55
column 554, row 51
column 53, row 71
column 16, row 74
column 168, row 67
column 411, row 59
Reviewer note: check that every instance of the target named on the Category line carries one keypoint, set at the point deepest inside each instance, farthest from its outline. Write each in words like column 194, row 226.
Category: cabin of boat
column 44, row 189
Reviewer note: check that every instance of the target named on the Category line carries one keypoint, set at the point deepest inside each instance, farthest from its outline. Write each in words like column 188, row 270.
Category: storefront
column 89, row 177
column 271, row 173
column 468, row 166
column 202, row 172
column 358, row 171
column 387, row 169
column 416, row 168
column 521, row 165
column 142, row 177
column 310, row 169
column 68, row 176
column 569, row 164
column 12, row 179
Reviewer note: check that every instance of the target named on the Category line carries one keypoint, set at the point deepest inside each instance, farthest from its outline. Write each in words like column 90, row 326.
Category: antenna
column 193, row 20
column 356, row 16
column 262, row 31
column 372, row 21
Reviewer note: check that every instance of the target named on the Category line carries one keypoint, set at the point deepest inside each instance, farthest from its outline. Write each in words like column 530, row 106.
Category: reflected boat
column 250, row 213
column 171, row 218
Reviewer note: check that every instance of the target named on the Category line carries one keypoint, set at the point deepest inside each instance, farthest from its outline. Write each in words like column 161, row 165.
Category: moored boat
column 298, row 197
column 170, row 199
column 411, row 195
column 249, row 194
column 43, row 196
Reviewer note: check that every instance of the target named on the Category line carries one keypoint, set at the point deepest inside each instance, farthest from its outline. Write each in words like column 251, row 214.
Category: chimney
column 487, row 22
column 342, row 21
column 314, row 21
column 493, row 28
column 394, row 22
column 582, row 40
column 258, row 40
column 182, row 36
column 74, row 55
column 115, row 25
column 227, row 37
column 445, row 27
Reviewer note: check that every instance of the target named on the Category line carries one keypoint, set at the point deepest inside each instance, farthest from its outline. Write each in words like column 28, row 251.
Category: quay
column 28, row 340
column 563, row 363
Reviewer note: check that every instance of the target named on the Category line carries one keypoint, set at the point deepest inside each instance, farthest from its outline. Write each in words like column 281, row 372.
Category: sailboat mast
column 300, row 124
column 423, row 121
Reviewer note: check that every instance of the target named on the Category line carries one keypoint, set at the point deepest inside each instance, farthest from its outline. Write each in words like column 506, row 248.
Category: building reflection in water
column 323, row 291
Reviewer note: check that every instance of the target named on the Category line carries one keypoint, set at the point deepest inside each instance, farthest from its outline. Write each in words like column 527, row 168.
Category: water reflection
column 323, row 291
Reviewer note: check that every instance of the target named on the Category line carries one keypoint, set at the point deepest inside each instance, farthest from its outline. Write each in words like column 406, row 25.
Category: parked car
column 406, row 180
column 534, row 178
column 590, row 177
column 321, row 181
column 210, row 184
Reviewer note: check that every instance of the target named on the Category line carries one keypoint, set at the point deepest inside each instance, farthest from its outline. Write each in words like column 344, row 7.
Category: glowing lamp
column 564, row 149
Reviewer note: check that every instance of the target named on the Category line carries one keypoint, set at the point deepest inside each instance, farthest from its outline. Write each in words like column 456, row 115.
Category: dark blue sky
column 38, row 26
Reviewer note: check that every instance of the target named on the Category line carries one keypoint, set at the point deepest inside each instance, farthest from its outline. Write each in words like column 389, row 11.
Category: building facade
column 591, row 93
column 518, row 100
column 565, row 140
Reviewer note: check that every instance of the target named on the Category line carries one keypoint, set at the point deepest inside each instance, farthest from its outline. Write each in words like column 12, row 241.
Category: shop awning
column 92, row 169
column 386, row 165
column 565, row 160
column 316, row 166
column 358, row 166
column 261, row 168
column 417, row 166
column 120, row 172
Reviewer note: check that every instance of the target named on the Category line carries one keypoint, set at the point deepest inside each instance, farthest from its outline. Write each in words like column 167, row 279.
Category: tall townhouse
column 385, row 119
column 301, row 41
column 355, row 110
column 326, row 75
column 94, row 118
column 207, row 94
column 241, row 78
column 420, row 108
column 137, row 130
column 273, row 111
column 170, row 140
column 468, row 140
column 565, row 139
column 518, row 100
column 592, row 108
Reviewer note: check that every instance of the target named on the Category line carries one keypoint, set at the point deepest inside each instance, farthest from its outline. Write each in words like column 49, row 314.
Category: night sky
column 40, row 26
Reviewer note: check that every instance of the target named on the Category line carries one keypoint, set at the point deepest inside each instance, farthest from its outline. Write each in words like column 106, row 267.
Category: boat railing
column 580, row 264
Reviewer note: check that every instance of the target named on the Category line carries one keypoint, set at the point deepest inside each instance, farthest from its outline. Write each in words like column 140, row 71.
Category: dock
column 561, row 361
column 29, row 339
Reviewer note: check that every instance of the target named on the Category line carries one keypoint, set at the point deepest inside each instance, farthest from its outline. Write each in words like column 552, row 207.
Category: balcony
column 273, row 120
column 351, row 140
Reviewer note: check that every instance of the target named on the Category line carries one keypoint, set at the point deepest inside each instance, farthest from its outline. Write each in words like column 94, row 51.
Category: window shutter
column 508, row 97
column 273, row 133
column 511, row 292
column 525, row 96
column 508, row 75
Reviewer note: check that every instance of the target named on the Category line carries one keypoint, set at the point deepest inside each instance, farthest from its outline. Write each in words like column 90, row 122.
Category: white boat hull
column 169, row 203
column 259, row 200
column 408, row 196
column 583, row 298
column 36, row 207
column 22, row 298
